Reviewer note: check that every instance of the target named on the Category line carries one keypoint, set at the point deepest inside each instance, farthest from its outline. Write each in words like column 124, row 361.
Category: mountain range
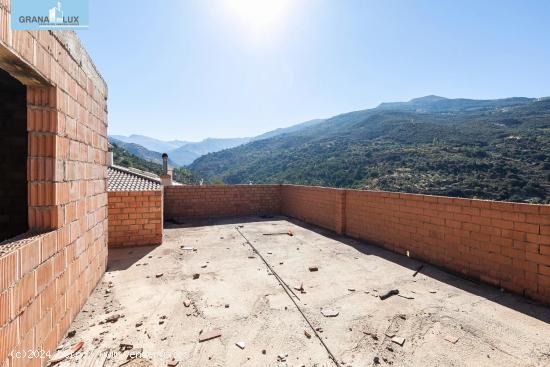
column 182, row 153
column 493, row 149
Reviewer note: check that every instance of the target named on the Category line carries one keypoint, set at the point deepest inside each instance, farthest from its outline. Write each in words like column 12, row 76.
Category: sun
column 259, row 15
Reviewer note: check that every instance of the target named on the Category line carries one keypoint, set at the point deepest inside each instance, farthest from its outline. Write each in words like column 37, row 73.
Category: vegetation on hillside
column 480, row 149
column 124, row 158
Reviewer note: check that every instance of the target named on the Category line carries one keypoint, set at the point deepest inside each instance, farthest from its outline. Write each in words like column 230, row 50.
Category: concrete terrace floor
column 236, row 294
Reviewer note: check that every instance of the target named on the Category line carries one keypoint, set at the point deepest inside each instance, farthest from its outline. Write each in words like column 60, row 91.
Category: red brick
column 9, row 270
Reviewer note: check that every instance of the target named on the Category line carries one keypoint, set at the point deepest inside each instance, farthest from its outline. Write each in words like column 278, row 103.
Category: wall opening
column 13, row 157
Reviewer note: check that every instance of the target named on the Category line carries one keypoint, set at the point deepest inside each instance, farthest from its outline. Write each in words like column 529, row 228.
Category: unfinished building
column 238, row 275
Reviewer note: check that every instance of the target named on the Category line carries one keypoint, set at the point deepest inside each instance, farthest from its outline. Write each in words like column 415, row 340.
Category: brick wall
column 47, row 274
column 318, row 205
column 220, row 201
column 505, row 244
column 135, row 218
column 501, row 243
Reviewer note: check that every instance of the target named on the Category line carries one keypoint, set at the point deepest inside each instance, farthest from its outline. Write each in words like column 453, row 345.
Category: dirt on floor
column 157, row 303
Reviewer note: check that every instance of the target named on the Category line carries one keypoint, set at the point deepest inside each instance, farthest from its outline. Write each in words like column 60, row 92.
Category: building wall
column 220, row 201
column 135, row 218
column 47, row 274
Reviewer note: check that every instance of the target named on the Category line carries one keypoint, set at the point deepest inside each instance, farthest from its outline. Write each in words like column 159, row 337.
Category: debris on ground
column 288, row 233
column 313, row 268
column 308, row 335
column 282, row 357
column 209, row 335
column 240, row 345
column 451, row 338
column 389, row 293
column 158, row 275
column 204, row 266
column 264, row 351
column 196, row 276
column 398, row 340
column 227, row 305
column 351, row 289
column 113, row 318
column 301, row 288
column 173, row 363
column 188, row 248
column 71, row 333
column 187, row 303
column 124, row 347
column 61, row 355
column 406, row 295
column 139, row 323
column 329, row 312
column 418, row 270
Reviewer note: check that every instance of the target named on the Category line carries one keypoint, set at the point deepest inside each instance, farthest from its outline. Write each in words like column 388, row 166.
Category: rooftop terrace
column 444, row 319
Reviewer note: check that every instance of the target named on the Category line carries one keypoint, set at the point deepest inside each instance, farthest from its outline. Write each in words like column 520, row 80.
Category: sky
column 192, row 69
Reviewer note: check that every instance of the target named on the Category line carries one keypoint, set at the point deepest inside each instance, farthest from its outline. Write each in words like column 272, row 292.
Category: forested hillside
column 124, row 158
column 497, row 149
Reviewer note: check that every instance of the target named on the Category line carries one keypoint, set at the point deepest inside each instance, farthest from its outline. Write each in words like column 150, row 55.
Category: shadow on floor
column 189, row 223
column 124, row 257
column 493, row 294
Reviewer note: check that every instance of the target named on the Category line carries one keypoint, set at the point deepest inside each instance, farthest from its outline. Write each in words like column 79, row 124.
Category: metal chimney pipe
column 164, row 163
column 110, row 156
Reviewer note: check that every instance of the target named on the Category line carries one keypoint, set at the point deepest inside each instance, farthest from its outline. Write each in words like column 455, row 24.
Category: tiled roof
column 130, row 179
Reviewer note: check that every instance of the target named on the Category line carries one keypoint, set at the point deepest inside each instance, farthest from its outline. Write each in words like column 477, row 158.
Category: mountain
column 287, row 130
column 492, row 149
column 140, row 151
column 124, row 158
column 441, row 104
column 150, row 143
column 188, row 152
column 182, row 153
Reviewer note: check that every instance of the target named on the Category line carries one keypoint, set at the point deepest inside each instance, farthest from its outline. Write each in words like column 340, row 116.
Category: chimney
column 110, row 156
column 166, row 176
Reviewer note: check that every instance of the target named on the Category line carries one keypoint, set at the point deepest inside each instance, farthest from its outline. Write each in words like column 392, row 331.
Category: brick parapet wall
column 46, row 278
column 502, row 243
column 319, row 205
column 220, row 201
column 135, row 218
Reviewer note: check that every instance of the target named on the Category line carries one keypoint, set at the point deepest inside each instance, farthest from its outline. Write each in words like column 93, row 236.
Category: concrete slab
column 240, row 297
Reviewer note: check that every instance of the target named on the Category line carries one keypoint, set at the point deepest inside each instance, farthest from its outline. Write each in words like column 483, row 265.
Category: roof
column 131, row 179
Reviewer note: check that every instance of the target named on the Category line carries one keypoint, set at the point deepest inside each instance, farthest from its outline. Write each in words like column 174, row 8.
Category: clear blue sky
column 191, row 69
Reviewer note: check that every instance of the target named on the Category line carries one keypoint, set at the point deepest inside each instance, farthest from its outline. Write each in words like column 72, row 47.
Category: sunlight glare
column 259, row 15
